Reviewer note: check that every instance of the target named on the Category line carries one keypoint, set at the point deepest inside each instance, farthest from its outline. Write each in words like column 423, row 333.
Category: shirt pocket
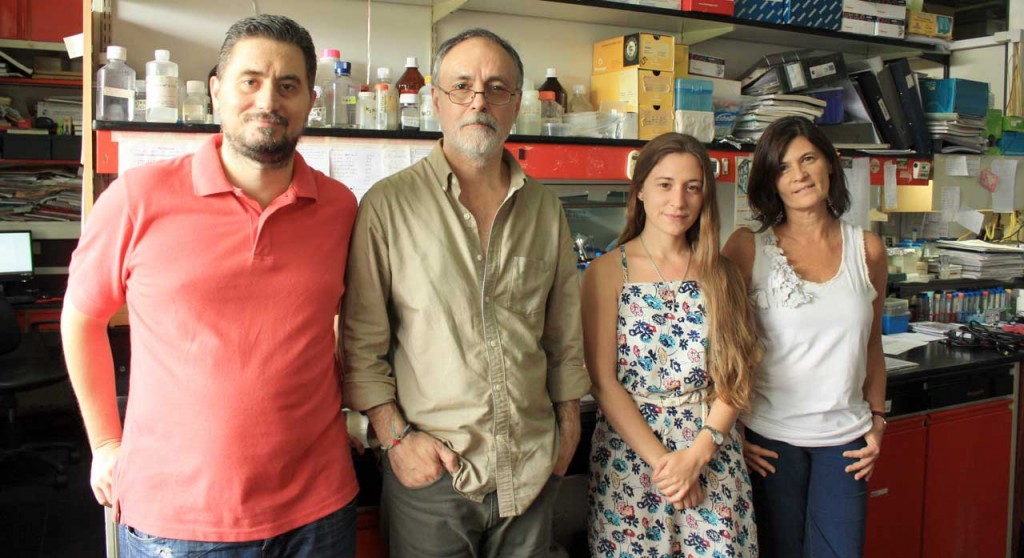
column 531, row 282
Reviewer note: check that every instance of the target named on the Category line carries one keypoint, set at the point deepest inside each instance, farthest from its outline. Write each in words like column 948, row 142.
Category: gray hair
column 478, row 33
column 278, row 28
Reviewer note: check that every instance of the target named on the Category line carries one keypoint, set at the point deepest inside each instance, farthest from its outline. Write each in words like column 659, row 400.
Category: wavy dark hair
column 734, row 333
column 763, row 188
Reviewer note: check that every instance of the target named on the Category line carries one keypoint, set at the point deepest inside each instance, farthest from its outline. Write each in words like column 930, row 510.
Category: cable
column 977, row 335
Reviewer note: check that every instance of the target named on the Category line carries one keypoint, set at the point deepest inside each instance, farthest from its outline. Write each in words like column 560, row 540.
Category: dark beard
column 266, row 151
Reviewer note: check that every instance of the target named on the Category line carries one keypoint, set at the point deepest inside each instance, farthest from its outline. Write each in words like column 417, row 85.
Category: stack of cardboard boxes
column 637, row 71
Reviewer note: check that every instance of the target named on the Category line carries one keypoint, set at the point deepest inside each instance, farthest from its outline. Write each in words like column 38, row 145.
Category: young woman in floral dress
column 671, row 343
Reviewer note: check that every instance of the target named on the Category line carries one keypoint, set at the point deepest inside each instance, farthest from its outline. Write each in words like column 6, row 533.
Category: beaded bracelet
column 397, row 438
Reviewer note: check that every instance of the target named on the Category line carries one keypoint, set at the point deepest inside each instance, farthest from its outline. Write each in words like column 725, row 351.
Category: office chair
column 27, row 362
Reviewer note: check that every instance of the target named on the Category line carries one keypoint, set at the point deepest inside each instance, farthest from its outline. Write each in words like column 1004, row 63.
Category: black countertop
column 940, row 358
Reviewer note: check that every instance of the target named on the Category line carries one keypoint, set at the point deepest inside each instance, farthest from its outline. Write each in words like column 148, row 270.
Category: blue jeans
column 333, row 536
column 811, row 507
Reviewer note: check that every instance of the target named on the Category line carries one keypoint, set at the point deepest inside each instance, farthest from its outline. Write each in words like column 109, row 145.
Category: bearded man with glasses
column 461, row 326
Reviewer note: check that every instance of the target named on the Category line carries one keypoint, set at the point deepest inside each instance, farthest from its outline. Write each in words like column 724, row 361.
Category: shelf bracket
column 699, row 31
column 443, row 8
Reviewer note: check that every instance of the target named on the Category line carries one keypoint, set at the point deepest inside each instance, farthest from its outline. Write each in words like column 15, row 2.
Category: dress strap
column 625, row 268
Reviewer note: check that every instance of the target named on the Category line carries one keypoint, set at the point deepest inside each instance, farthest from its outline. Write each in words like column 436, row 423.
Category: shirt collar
column 446, row 179
column 209, row 178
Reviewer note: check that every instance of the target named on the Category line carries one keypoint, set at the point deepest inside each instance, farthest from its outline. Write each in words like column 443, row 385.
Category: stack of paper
column 934, row 329
column 984, row 260
column 957, row 133
column 768, row 108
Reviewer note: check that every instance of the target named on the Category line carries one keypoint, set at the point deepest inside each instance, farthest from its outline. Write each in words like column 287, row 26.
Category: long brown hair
column 735, row 348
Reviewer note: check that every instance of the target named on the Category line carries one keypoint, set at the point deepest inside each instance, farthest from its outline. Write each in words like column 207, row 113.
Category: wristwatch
column 717, row 437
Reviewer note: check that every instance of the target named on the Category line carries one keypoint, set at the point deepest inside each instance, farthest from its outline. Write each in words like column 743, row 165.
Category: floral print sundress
column 662, row 340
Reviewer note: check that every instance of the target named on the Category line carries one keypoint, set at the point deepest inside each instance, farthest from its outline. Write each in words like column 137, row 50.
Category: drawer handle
column 877, row 493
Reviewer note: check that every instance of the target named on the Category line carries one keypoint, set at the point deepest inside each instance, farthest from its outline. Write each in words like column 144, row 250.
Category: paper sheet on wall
column 744, row 216
column 950, row 203
column 360, row 166
column 889, row 187
column 858, row 181
column 1002, row 198
column 973, row 165
column 316, row 156
column 131, row 154
column 970, row 219
column 956, row 165
column 935, row 226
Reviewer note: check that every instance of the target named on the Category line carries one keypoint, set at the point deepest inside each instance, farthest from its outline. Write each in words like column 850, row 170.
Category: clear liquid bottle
column 161, row 88
column 318, row 113
column 387, row 100
column 428, row 121
column 366, row 110
column 528, row 123
column 579, row 101
column 551, row 84
column 342, row 95
column 140, row 101
column 411, row 80
column 325, row 66
column 115, row 87
column 409, row 111
column 194, row 107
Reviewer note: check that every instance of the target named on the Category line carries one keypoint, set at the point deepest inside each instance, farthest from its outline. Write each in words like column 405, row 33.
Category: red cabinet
column 896, row 492
column 967, row 483
column 40, row 20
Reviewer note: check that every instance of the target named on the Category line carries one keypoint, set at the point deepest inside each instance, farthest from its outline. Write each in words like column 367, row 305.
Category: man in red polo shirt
column 231, row 262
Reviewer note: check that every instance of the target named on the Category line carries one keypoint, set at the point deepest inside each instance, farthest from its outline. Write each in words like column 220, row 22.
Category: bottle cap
column 384, row 73
column 162, row 55
column 408, row 98
column 410, row 62
column 547, row 95
column 342, row 68
column 330, row 53
column 115, row 52
column 380, row 87
column 551, row 73
column 195, row 86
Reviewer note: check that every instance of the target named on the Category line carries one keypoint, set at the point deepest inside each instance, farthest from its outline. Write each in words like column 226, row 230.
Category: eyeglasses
column 493, row 96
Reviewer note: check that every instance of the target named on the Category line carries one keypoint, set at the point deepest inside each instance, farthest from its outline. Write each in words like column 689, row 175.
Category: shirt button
column 466, row 216
column 493, row 343
column 479, row 257
column 487, row 299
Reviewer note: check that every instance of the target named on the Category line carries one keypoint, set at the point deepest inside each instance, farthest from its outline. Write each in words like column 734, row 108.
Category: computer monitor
column 15, row 255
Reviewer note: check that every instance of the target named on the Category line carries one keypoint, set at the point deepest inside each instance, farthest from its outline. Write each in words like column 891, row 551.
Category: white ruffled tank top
column 809, row 389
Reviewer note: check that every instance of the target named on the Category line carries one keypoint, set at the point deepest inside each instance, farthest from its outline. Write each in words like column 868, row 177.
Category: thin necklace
column 671, row 295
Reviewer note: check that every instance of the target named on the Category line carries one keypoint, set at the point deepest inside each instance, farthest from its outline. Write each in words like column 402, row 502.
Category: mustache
column 480, row 118
column 271, row 116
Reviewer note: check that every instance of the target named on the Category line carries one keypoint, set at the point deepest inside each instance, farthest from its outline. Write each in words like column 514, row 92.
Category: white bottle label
column 409, row 121
column 118, row 92
column 162, row 92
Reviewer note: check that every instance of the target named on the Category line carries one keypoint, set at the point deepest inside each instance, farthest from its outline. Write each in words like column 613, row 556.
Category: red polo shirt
column 234, row 428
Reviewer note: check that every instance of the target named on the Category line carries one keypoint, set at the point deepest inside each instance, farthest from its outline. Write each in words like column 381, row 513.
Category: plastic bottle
column 387, row 100
column 194, row 107
column 366, row 110
column 412, row 80
column 528, row 122
column 428, row 122
column 342, row 96
column 318, row 114
column 579, row 101
column 551, row 84
column 550, row 110
column 325, row 66
column 140, row 101
column 409, row 111
column 161, row 88
column 115, row 87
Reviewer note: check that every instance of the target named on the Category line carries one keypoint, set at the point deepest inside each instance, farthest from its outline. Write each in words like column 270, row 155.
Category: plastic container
column 580, row 101
column 428, row 121
column 194, row 107
column 895, row 307
column 140, row 101
column 528, row 123
column 387, row 100
column 115, row 88
column 550, row 111
column 694, row 94
column 318, row 114
column 895, row 324
column 341, row 108
column 325, row 66
column 161, row 88
column 409, row 111
column 366, row 110
column 551, row 84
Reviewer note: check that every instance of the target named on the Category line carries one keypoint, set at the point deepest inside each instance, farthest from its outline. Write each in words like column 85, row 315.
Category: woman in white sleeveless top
column 670, row 342
column 814, row 430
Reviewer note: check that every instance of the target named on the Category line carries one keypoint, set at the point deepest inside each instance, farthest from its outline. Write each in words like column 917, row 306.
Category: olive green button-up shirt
column 475, row 348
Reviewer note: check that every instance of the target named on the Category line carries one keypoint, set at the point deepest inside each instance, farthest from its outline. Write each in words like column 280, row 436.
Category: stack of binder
column 766, row 109
column 891, row 94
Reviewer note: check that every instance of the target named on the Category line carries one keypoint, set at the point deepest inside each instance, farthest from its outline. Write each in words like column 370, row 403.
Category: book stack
column 984, row 260
column 957, row 133
column 890, row 94
column 766, row 109
column 40, row 195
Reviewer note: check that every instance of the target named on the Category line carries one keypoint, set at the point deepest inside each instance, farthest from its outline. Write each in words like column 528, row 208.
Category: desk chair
column 28, row 362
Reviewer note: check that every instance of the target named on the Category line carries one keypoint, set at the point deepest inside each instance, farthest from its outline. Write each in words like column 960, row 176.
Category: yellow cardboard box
column 635, row 88
column 929, row 25
column 682, row 64
column 645, row 51
column 653, row 121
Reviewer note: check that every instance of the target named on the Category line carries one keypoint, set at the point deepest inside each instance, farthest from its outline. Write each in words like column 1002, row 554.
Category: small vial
column 366, row 110
column 194, row 107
